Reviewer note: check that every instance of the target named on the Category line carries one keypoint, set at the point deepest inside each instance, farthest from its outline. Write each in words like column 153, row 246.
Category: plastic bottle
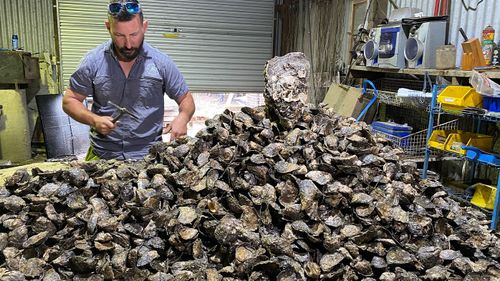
column 488, row 35
column 15, row 41
column 488, row 43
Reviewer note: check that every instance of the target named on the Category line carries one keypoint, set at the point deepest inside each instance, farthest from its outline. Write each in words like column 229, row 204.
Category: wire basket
column 414, row 144
column 392, row 98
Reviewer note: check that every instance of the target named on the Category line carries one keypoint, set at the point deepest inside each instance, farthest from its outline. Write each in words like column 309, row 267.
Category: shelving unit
column 491, row 73
column 433, row 111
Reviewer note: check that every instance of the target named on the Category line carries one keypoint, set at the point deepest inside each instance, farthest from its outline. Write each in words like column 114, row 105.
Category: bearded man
column 130, row 73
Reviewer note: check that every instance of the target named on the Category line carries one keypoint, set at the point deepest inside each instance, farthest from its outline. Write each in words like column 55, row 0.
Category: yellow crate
column 484, row 196
column 456, row 98
column 439, row 138
column 456, row 140
column 483, row 142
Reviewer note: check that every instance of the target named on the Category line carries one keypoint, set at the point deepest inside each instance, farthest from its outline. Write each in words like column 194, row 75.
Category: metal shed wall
column 32, row 20
column 473, row 22
column 219, row 45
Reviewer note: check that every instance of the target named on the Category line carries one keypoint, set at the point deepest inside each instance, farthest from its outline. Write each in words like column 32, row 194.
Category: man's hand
column 73, row 106
column 104, row 124
column 178, row 127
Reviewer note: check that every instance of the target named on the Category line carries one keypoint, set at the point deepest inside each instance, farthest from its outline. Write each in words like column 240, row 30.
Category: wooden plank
column 493, row 74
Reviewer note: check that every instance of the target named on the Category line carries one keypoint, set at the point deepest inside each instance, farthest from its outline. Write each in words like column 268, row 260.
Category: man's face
column 127, row 37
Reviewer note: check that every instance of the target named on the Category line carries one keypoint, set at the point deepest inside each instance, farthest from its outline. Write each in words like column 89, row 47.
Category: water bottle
column 15, row 41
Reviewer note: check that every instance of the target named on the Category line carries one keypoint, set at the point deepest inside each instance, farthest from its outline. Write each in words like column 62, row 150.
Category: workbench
column 19, row 70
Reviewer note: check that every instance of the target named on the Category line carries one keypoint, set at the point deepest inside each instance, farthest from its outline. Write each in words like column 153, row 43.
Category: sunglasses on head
column 131, row 8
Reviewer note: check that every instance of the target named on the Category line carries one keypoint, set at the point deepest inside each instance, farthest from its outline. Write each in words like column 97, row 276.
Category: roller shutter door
column 219, row 45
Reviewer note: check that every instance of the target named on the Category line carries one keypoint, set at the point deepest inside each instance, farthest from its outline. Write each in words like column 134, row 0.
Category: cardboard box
column 349, row 101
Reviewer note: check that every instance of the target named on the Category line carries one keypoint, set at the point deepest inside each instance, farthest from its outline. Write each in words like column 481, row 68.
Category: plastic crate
column 484, row 196
column 455, row 142
column 491, row 103
column 414, row 145
column 456, row 98
column 391, row 128
column 439, row 138
column 476, row 154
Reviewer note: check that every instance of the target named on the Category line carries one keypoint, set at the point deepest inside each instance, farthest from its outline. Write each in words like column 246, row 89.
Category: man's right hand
column 73, row 106
column 104, row 124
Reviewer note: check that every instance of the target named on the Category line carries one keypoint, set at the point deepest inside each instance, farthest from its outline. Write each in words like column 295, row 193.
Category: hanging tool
column 121, row 112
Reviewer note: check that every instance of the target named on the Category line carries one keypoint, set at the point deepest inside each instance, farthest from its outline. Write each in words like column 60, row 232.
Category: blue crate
column 393, row 129
column 491, row 103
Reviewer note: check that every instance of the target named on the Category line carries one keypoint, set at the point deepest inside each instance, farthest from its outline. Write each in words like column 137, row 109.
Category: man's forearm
column 186, row 108
column 76, row 110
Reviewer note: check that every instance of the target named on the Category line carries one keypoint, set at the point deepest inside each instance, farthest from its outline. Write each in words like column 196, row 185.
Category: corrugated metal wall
column 473, row 22
column 427, row 6
column 33, row 20
column 222, row 44
column 81, row 27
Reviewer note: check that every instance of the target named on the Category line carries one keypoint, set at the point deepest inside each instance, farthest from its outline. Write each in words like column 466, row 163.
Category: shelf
column 482, row 117
column 448, row 155
column 492, row 74
column 392, row 98
column 435, row 110
column 432, row 159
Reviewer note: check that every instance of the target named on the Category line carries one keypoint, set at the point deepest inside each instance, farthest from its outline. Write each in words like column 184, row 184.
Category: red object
column 444, row 7
column 440, row 7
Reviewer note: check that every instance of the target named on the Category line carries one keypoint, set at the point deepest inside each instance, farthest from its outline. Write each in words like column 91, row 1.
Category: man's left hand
column 177, row 128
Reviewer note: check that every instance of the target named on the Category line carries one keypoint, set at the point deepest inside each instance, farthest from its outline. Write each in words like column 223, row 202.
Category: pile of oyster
column 247, row 199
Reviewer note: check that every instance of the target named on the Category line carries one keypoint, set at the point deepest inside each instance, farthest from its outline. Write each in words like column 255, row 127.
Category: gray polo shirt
column 153, row 74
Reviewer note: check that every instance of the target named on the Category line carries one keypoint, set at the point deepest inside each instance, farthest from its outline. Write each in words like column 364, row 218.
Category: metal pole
column 59, row 46
column 429, row 130
column 494, row 218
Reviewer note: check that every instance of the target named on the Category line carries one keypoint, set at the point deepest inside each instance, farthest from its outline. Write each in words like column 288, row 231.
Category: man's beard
column 127, row 54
